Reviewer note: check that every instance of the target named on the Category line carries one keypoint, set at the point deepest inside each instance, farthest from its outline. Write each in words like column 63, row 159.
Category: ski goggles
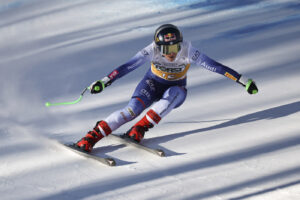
column 167, row 49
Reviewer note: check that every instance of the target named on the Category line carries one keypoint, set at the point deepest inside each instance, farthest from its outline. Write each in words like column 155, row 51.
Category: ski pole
column 48, row 104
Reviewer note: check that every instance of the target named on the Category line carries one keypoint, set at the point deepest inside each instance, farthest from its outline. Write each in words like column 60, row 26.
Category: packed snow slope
column 222, row 143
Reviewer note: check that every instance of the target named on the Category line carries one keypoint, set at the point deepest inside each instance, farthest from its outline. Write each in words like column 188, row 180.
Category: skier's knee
column 176, row 95
column 135, row 107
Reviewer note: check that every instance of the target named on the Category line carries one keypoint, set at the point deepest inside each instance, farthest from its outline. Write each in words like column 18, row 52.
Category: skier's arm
column 136, row 61
column 203, row 60
column 200, row 59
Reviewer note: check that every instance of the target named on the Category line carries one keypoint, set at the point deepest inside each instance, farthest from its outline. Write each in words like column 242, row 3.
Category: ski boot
column 92, row 137
column 137, row 132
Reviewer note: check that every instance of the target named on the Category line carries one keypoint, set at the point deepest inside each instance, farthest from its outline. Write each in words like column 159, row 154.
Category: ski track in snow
column 221, row 143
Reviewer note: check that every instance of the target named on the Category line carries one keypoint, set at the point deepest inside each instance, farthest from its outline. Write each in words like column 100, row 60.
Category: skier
column 163, row 86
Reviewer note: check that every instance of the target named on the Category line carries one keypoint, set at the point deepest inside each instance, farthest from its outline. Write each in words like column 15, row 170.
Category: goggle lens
column 167, row 49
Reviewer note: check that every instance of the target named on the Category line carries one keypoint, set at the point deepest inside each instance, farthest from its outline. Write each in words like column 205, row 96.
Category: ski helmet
column 167, row 37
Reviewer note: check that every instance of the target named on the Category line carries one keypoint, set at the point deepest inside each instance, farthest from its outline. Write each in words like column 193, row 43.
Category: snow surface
column 221, row 144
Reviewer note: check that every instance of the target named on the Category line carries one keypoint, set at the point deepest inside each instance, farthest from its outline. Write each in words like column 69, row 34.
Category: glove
column 98, row 86
column 250, row 85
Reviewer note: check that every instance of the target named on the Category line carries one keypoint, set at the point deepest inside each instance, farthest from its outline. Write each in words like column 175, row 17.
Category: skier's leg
column 143, row 97
column 172, row 98
column 111, row 123
column 134, row 108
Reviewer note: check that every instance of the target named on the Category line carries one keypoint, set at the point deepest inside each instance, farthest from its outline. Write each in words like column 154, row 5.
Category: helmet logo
column 169, row 37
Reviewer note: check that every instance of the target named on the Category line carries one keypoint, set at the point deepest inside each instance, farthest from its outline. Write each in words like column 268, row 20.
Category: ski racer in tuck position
column 163, row 86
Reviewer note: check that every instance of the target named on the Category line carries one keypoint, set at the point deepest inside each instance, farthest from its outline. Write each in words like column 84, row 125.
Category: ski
column 128, row 141
column 106, row 161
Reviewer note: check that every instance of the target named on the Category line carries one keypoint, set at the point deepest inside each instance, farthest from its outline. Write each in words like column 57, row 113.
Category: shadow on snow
column 231, row 157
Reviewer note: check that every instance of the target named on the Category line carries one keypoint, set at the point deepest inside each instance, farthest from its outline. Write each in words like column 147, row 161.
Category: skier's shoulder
column 148, row 50
column 184, row 49
column 186, row 43
column 192, row 52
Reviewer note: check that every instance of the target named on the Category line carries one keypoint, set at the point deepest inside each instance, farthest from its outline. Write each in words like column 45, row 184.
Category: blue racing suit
column 164, row 84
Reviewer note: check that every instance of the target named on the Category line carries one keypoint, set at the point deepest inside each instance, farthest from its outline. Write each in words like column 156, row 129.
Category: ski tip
column 111, row 162
column 160, row 152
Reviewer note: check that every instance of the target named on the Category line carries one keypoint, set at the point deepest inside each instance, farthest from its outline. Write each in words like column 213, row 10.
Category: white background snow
column 222, row 143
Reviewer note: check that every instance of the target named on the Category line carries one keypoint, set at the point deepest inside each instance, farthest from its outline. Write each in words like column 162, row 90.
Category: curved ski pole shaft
column 48, row 104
